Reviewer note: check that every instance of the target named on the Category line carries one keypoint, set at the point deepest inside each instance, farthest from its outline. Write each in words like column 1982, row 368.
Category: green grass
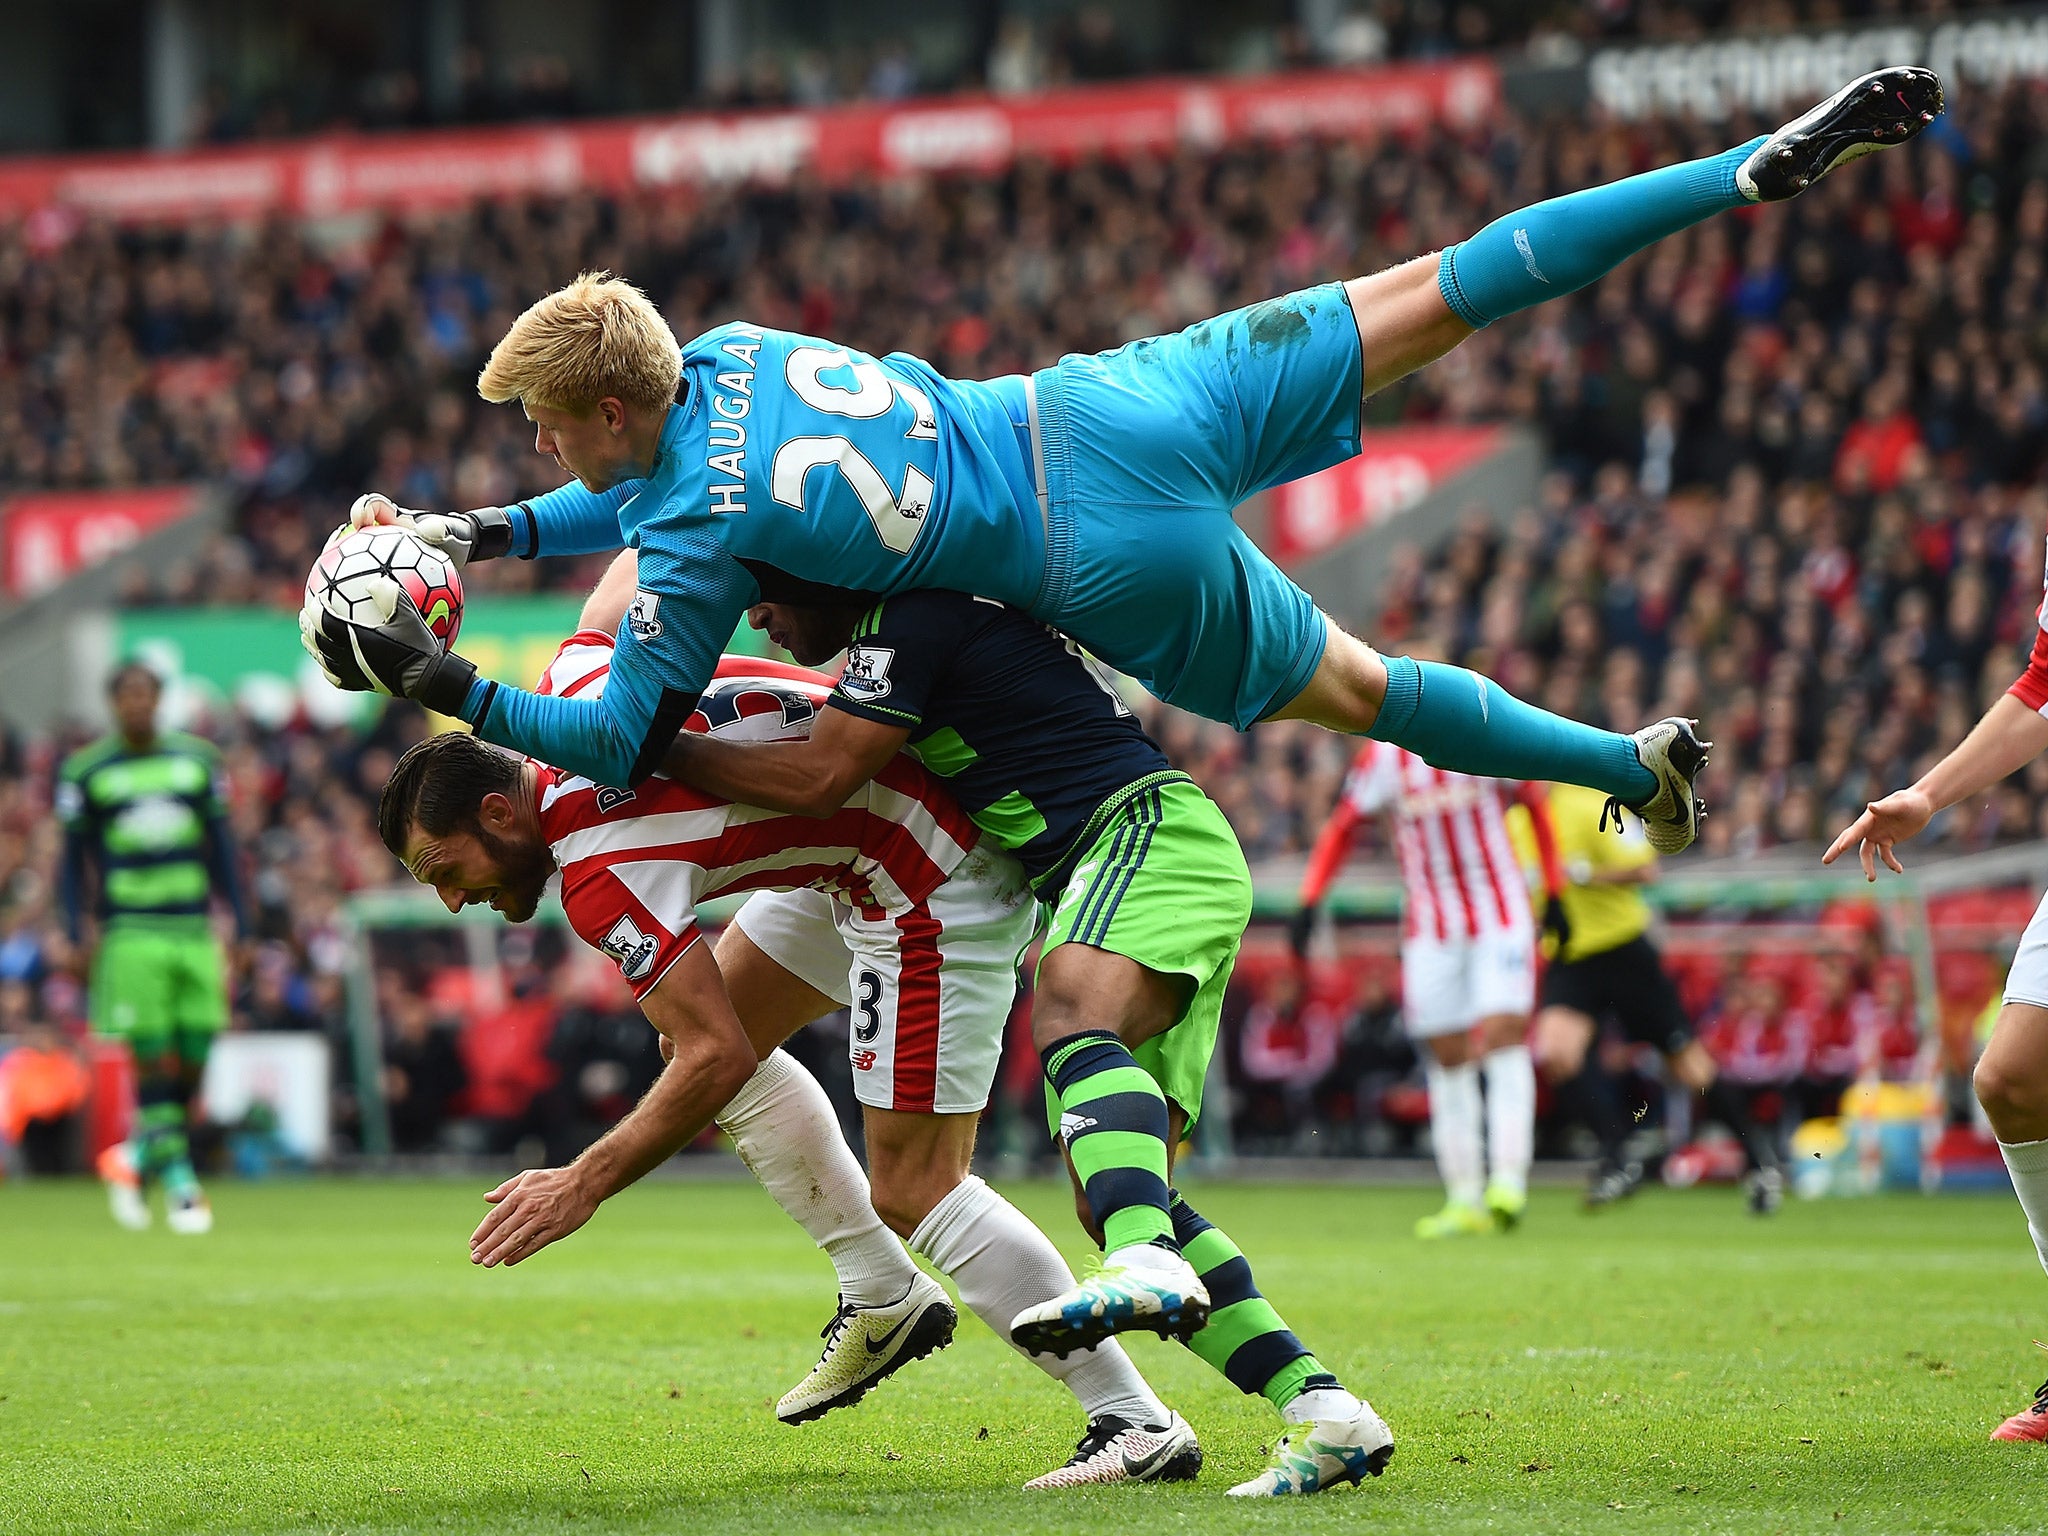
column 329, row 1361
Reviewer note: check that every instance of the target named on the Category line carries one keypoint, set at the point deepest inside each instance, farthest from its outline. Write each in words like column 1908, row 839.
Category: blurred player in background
column 1604, row 968
column 2012, row 1073
column 1096, row 495
column 1468, row 966
column 146, row 849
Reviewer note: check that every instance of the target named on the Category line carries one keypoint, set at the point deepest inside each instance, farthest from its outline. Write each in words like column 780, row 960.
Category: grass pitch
column 329, row 1361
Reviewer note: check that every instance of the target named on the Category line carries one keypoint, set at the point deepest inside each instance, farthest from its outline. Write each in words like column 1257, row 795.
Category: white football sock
column 2027, row 1162
column 1454, row 1129
column 1321, row 1403
column 1510, row 1115
column 784, row 1130
column 1003, row 1264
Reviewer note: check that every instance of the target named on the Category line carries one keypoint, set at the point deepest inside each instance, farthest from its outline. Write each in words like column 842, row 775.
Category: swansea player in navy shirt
column 1147, row 895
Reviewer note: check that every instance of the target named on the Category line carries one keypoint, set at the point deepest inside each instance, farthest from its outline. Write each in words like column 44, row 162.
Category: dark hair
column 128, row 669
column 439, row 786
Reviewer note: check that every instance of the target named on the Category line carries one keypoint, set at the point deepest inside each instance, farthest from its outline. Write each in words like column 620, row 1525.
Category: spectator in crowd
column 44, row 1088
column 1287, row 1047
column 423, row 1071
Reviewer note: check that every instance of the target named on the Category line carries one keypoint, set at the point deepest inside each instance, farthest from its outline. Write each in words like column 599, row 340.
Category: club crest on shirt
column 641, row 618
column 866, row 677
column 633, row 949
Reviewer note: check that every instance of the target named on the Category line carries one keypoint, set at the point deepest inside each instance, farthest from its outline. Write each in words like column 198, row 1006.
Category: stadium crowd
column 1795, row 452
column 353, row 84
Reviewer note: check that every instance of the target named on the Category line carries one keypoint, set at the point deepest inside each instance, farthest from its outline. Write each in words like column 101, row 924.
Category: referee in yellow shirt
column 1603, row 968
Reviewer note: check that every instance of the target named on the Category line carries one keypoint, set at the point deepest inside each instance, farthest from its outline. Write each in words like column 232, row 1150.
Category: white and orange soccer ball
column 354, row 575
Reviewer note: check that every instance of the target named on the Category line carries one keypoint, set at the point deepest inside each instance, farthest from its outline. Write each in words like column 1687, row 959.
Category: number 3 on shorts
column 867, row 1013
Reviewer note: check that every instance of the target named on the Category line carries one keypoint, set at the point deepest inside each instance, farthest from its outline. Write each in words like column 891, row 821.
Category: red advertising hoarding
column 47, row 536
column 1393, row 472
column 344, row 174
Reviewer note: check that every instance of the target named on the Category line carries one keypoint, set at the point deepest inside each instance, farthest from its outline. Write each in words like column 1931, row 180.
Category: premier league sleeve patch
column 642, row 620
column 633, row 949
column 866, row 677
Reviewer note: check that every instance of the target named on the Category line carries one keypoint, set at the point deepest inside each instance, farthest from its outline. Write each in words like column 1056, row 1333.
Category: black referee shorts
column 1628, row 985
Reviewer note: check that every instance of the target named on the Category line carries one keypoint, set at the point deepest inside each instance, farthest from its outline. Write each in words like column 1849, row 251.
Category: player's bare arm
column 804, row 778
column 710, row 1060
column 2008, row 738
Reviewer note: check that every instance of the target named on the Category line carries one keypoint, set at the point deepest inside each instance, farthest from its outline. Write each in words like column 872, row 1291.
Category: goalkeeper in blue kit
column 1096, row 495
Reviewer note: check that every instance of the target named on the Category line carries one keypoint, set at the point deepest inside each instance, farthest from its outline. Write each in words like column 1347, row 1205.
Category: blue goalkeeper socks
column 1464, row 723
column 1559, row 246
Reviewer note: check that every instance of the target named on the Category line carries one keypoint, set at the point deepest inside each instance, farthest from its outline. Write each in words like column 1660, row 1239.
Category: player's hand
column 461, row 536
column 1557, row 922
column 398, row 655
column 1300, row 929
column 1883, row 823
column 530, row 1210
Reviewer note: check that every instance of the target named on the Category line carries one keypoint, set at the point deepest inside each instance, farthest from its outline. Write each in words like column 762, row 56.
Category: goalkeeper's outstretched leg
column 1146, row 451
column 1413, row 314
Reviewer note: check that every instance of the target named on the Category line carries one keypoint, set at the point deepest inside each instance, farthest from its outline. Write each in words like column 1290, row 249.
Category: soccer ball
column 344, row 579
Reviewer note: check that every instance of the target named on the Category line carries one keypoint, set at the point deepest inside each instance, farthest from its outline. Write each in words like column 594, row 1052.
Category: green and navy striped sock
column 1245, row 1338
column 1113, row 1120
column 160, row 1135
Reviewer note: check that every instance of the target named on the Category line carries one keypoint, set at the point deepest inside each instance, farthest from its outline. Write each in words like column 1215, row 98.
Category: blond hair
column 598, row 337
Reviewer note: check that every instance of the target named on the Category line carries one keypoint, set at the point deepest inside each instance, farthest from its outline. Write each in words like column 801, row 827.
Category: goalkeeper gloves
column 398, row 655
column 484, row 534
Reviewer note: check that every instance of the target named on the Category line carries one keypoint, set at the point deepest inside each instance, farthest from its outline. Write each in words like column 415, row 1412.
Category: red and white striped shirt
column 1458, row 867
column 2032, row 687
column 635, row 863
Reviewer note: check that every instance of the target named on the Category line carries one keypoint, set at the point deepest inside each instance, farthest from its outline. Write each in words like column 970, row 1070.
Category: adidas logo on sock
column 1072, row 1125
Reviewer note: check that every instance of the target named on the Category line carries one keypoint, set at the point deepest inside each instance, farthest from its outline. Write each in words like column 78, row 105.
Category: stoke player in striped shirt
column 890, row 904
column 1468, row 966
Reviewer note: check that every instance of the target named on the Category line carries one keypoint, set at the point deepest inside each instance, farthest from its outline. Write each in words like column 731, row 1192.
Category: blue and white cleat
column 1325, row 1453
column 1141, row 1287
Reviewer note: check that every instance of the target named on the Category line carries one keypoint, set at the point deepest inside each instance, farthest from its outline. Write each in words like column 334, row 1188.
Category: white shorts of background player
column 1449, row 985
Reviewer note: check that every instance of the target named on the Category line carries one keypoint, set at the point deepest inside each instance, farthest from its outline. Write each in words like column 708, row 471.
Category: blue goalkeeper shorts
column 1145, row 453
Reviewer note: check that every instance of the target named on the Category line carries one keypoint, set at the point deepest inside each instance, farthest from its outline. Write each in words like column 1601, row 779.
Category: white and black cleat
column 1612, row 1182
column 864, row 1346
column 1763, row 1190
column 1115, row 1450
column 1673, row 752
column 1880, row 110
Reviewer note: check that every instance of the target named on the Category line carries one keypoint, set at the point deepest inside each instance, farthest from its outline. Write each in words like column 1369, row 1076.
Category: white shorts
column 2027, row 981
column 1449, row 985
column 930, row 990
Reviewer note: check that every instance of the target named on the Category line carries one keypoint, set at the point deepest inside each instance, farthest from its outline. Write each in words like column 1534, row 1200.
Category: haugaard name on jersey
column 725, row 445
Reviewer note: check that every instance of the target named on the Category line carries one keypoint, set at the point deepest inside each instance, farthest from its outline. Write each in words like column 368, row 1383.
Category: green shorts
column 1164, row 884
column 161, row 986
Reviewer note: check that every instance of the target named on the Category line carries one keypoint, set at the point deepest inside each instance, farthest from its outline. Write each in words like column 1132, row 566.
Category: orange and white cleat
column 2029, row 1423
column 124, row 1187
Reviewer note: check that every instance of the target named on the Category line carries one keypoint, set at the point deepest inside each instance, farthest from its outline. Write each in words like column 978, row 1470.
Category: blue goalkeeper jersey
column 791, row 469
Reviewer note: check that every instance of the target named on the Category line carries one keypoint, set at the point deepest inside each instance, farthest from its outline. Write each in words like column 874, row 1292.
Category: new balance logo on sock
column 1072, row 1125
column 1528, row 256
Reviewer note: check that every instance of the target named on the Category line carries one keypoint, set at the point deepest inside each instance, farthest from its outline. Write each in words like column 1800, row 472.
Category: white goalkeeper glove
column 483, row 534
